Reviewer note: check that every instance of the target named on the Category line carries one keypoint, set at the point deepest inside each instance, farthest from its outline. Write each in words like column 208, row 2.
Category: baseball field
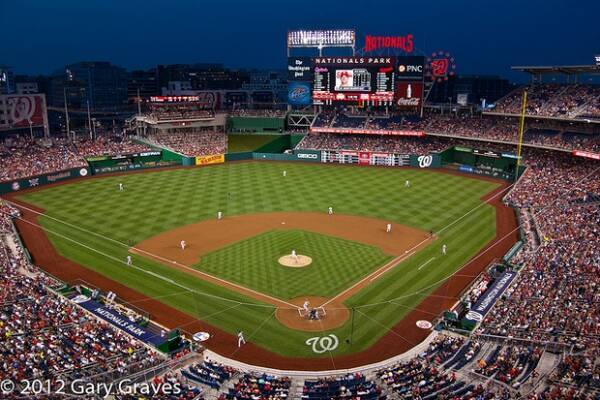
column 369, row 285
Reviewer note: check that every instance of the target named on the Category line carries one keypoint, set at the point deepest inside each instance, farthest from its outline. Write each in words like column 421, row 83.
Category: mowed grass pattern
column 95, row 224
column 253, row 263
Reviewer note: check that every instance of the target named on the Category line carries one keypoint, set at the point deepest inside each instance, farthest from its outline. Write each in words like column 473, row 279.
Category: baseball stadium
column 354, row 238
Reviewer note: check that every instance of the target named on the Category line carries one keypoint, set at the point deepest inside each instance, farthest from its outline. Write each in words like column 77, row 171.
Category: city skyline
column 484, row 38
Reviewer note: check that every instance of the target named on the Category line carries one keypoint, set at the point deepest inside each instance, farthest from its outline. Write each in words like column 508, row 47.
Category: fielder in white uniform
column 182, row 244
column 241, row 339
column 284, row 173
column 444, row 249
column 407, row 184
column 120, row 187
column 388, row 228
column 330, row 210
column 129, row 260
column 219, row 215
column 295, row 256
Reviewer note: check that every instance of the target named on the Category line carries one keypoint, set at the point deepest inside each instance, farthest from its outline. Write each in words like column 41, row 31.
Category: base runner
column 182, row 244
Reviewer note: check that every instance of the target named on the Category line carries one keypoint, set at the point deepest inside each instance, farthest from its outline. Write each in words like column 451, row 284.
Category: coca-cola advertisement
column 409, row 94
column 23, row 111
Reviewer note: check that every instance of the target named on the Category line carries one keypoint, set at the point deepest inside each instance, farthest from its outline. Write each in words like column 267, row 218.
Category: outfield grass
column 159, row 201
column 336, row 263
column 247, row 142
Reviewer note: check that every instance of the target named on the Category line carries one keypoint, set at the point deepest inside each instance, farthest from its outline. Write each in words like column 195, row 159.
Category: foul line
column 224, row 283
column 413, row 249
column 426, row 262
column 138, row 268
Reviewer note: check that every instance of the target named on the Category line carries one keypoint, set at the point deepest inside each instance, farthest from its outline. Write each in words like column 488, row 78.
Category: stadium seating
column 553, row 100
column 197, row 143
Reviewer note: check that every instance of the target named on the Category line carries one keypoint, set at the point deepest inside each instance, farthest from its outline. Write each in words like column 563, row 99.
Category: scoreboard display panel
column 354, row 79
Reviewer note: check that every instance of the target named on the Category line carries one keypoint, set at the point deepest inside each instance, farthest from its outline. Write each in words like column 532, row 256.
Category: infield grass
column 336, row 263
column 95, row 224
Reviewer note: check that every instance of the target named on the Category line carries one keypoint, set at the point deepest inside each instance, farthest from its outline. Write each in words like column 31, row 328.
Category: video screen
column 354, row 79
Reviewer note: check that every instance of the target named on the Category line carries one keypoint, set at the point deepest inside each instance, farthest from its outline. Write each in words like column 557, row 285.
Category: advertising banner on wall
column 23, row 111
column 121, row 322
column 300, row 69
column 299, row 93
column 410, row 68
column 41, row 180
column 409, row 94
column 487, row 300
column 426, row 161
column 364, row 158
column 308, row 155
column 212, row 159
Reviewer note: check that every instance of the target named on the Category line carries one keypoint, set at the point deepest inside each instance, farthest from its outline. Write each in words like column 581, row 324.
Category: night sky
column 486, row 37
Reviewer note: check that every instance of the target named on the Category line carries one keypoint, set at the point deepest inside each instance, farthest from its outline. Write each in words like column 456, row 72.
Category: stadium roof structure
column 560, row 69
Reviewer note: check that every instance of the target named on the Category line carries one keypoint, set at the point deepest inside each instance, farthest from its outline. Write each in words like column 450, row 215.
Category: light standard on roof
column 69, row 78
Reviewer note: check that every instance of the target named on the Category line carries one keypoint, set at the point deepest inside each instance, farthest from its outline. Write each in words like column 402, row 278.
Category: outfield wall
column 44, row 179
column 256, row 124
column 497, row 165
column 135, row 161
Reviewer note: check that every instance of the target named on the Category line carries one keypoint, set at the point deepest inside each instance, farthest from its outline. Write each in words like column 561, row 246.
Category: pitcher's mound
column 295, row 262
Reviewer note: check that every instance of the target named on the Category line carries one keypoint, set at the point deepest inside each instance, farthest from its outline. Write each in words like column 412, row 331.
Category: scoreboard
column 370, row 80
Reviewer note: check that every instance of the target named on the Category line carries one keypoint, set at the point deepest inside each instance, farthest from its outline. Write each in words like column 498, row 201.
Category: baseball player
column 182, row 244
column 330, row 210
column 407, row 183
column 305, row 306
column 388, row 228
column 220, row 215
column 129, row 260
column 241, row 339
column 295, row 256
column 444, row 249
column 284, row 173
column 120, row 187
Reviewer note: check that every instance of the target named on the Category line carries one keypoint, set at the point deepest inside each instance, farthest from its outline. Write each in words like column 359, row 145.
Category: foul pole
column 521, row 128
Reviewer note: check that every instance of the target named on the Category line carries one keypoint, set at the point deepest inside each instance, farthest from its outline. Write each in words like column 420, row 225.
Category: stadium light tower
column 68, row 125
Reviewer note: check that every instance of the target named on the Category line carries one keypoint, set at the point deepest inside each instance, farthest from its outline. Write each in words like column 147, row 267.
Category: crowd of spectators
column 349, row 386
column 505, row 129
column 554, row 100
column 209, row 373
column 22, row 157
column 556, row 297
column 507, row 363
column 190, row 142
column 179, row 111
column 45, row 336
column 104, row 146
column 374, row 143
column 255, row 386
